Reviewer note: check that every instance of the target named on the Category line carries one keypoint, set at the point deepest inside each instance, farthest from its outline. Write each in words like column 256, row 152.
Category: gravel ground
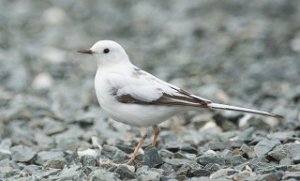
column 244, row 53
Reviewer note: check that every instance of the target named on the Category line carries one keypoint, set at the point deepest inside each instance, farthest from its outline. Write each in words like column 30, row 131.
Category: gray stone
column 44, row 156
column 246, row 135
column 114, row 153
column 284, row 135
column 200, row 173
column 39, row 173
column 124, row 172
column 291, row 175
column 217, row 145
column 223, row 173
column 177, row 162
column 22, row 153
column 247, row 151
column 88, row 160
column 237, row 160
column 212, row 167
column 102, row 175
column 72, row 173
column 5, row 149
column 172, row 146
column 295, row 153
column 8, row 171
column 57, row 163
column 279, row 152
column 168, row 171
column 189, row 149
column 264, row 146
column 145, row 173
column 274, row 176
column 152, row 158
column 189, row 168
column 210, row 157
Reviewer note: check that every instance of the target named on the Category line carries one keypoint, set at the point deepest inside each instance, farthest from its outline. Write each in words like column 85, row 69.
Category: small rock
column 200, row 173
column 152, row 158
column 107, row 164
column 44, row 156
column 101, row 174
column 217, row 145
column 22, row 153
column 172, row 146
column 247, row 151
column 169, row 172
column 237, row 160
column 284, row 135
column 295, row 153
column 42, row 81
column 91, row 152
column 114, row 153
column 165, row 153
column 246, row 135
column 5, row 149
column 124, row 172
column 146, row 173
column 56, row 163
column 39, row 173
column 72, row 173
column 223, row 173
column 189, row 149
column 279, row 152
column 127, row 149
column 177, row 162
column 210, row 157
column 88, row 160
column 264, row 146
column 275, row 176
column 212, row 167
column 189, row 168
column 291, row 175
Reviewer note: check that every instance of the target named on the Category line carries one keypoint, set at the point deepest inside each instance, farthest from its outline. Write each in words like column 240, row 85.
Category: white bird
column 137, row 98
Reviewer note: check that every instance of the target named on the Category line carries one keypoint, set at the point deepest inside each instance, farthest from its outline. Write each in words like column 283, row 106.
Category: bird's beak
column 86, row 51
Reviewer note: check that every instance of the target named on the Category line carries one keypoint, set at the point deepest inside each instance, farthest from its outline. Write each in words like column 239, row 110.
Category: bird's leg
column 156, row 133
column 136, row 150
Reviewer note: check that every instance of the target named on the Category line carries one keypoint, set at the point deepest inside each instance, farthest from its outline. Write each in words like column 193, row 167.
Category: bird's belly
column 137, row 115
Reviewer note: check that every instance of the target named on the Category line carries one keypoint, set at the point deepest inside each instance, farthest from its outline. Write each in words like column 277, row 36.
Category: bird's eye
column 106, row 50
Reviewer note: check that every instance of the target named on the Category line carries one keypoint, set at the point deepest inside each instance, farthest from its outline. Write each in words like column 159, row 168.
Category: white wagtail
column 133, row 96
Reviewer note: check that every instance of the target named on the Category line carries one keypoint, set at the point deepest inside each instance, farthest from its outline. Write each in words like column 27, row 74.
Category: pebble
column 44, row 156
column 88, row 160
column 279, row 152
column 210, row 157
column 295, row 153
column 5, row 152
column 58, row 163
column 152, row 158
column 22, row 153
column 223, row 173
column 264, row 146
column 125, row 172
column 101, row 174
column 145, row 173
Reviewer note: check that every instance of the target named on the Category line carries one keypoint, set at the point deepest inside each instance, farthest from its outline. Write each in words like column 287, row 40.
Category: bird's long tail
column 240, row 109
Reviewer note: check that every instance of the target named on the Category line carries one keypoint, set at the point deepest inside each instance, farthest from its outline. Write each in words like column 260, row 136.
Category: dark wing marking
column 185, row 100
column 191, row 97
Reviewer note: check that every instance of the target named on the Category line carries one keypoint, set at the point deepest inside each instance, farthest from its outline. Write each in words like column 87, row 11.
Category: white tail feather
column 240, row 109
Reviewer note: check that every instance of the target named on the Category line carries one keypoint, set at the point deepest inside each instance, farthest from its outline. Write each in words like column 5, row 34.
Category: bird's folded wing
column 152, row 91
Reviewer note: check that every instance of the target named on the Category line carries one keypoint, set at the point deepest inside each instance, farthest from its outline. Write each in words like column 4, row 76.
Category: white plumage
column 135, row 97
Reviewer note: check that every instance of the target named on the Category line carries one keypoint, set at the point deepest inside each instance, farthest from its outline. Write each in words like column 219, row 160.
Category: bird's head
column 107, row 52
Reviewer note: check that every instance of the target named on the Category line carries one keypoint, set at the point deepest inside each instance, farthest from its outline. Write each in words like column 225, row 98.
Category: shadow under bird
column 137, row 98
